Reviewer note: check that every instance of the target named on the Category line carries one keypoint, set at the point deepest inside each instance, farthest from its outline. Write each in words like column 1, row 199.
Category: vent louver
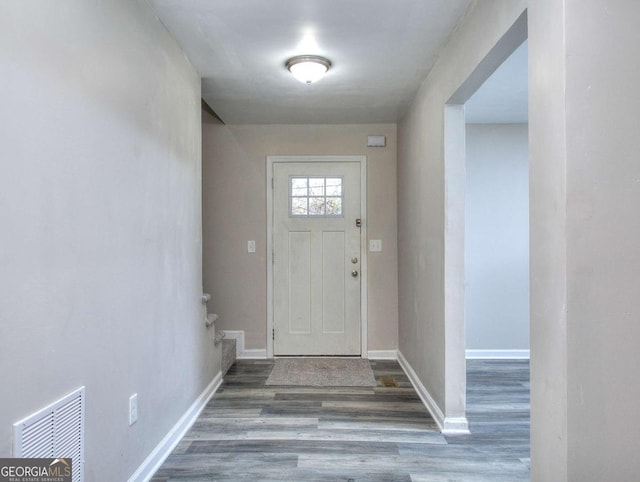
column 56, row 431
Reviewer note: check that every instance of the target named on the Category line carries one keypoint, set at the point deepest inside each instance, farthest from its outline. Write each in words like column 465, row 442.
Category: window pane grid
column 314, row 196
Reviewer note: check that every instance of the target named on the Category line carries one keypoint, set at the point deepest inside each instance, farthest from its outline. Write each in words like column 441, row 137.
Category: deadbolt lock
column 358, row 223
column 354, row 260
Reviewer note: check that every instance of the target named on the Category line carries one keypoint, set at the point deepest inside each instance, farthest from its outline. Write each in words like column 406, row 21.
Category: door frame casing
column 362, row 160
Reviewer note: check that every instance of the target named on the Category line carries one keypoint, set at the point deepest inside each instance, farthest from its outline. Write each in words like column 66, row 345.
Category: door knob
column 354, row 273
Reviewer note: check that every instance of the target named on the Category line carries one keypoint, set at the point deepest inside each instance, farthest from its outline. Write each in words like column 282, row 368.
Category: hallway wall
column 433, row 349
column 585, row 234
column 497, row 237
column 100, row 214
column 234, row 198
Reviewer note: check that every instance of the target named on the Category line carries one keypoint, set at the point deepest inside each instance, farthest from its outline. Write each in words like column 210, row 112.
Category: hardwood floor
column 252, row 432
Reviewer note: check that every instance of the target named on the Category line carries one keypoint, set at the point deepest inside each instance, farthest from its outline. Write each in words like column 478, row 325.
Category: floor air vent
column 55, row 431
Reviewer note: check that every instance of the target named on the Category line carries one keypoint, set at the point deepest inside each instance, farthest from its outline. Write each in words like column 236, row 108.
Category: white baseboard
column 237, row 335
column 447, row 425
column 383, row 354
column 255, row 354
column 456, row 425
column 497, row 354
column 241, row 352
column 155, row 459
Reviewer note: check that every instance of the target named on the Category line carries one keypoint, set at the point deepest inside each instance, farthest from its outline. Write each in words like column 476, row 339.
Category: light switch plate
column 251, row 246
column 375, row 245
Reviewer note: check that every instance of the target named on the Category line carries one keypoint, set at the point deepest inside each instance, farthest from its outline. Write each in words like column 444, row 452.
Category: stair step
column 228, row 354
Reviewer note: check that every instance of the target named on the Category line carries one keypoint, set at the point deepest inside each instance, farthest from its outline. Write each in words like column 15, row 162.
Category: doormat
column 322, row 372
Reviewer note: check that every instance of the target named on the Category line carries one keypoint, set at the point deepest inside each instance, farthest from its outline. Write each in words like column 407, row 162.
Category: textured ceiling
column 381, row 51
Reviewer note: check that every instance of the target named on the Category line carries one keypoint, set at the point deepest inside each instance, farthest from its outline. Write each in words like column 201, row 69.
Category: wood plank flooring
column 252, row 432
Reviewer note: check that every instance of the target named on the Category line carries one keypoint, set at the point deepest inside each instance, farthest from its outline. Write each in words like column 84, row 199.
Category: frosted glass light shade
column 308, row 68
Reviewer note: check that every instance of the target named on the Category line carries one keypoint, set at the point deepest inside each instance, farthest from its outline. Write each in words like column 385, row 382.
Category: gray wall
column 234, row 200
column 585, row 234
column 497, row 237
column 100, row 215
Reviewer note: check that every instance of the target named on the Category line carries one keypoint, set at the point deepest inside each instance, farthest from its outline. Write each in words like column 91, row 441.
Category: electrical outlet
column 251, row 246
column 133, row 409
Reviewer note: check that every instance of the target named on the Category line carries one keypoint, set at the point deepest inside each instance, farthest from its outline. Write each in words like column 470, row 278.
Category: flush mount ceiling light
column 308, row 68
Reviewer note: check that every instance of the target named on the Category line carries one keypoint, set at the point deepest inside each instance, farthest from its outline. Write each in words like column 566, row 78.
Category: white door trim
column 271, row 160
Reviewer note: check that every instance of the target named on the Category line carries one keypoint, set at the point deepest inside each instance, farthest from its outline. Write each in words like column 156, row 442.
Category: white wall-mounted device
column 376, row 141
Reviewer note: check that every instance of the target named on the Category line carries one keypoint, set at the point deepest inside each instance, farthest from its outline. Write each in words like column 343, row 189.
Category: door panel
column 315, row 238
column 333, row 268
column 300, row 282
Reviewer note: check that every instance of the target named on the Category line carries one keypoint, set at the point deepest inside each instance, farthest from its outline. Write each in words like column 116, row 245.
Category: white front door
column 316, row 265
